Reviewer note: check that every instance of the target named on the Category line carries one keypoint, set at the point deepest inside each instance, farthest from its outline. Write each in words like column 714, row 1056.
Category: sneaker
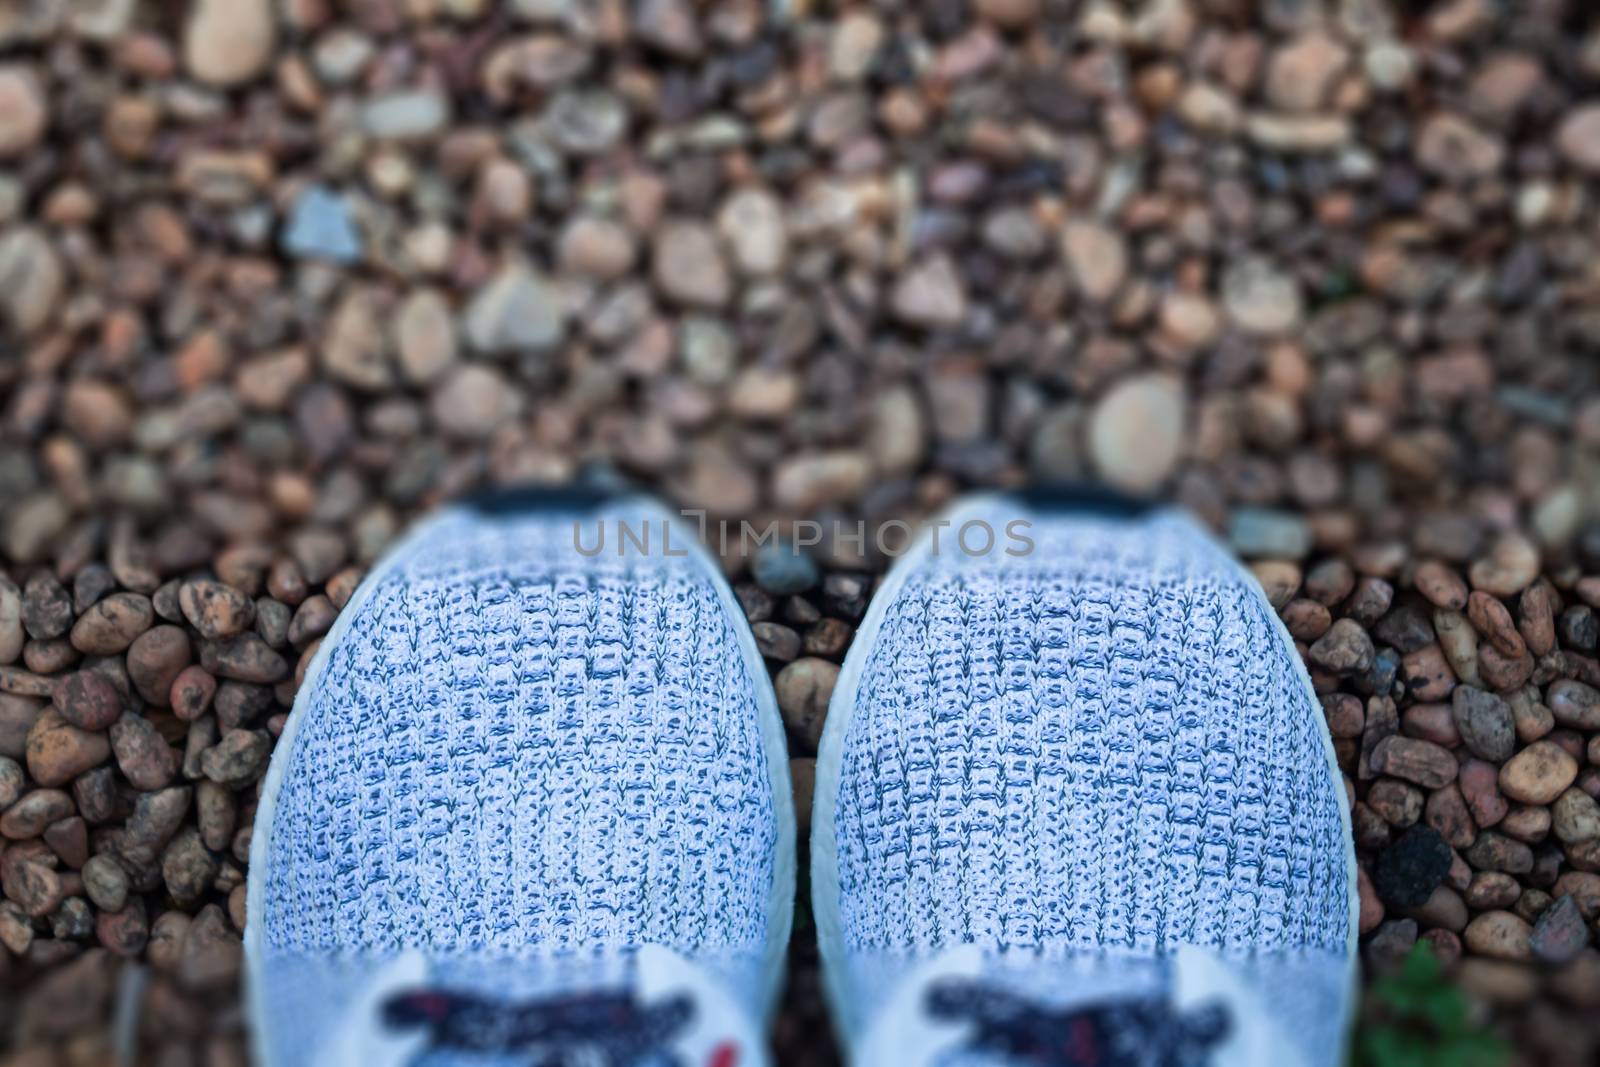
column 532, row 806
column 1076, row 803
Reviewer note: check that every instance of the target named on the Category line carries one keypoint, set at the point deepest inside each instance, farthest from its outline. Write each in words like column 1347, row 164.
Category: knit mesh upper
column 517, row 751
column 1101, row 747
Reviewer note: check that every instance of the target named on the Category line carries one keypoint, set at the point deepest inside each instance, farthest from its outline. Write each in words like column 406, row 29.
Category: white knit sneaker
column 532, row 806
column 1076, row 803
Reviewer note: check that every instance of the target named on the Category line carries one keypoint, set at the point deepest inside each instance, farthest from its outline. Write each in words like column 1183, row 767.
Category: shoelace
column 670, row 1012
column 604, row 1029
column 1148, row 1032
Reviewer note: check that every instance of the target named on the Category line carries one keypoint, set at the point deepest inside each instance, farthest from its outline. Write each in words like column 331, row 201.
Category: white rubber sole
column 825, row 891
column 773, row 739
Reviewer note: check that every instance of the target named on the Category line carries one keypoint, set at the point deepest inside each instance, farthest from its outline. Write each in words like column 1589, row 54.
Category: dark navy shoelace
column 1147, row 1032
column 603, row 1029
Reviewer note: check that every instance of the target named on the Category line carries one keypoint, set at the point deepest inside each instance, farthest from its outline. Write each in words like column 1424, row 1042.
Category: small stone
column 1345, row 649
column 238, row 759
column 805, row 482
column 1256, row 532
column 595, row 247
column 1498, row 935
column 88, row 700
column 24, row 110
column 1575, row 816
column 215, row 609
column 320, row 227
column 474, row 401
column 1510, row 567
column 751, row 223
column 1259, row 298
column 1415, row 760
column 106, row 882
column 1491, row 618
column 188, row 867
column 804, row 688
column 425, row 336
column 1136, row 431
column 1574, row 704
column 1578, row 138
column 352, row 342
column 516, row 311
column 776, row 641
column 1408, row 871
column 585, row 122
column 12, row 634
column 229, row 42
column 245, row 658
column 405, row 114
column 783, row 569
column 857, row 36
column 191, row 693
column 12, row 781
column 29, row 816
column 688, row 267
column 1454, row 149
column 1097, row 258
column 1442, row 586
column 32, row 280
column 212, row 955
column 1301, row 73
column 1539, row 773
column 58, row 751
column 1560, row 933
column 143, row 755
column 930, row 294
column 1485, row 723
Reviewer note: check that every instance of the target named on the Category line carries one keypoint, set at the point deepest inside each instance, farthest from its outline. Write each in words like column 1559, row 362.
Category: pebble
column 1574, row 704
column 930, row 294
column 1456, row 150
column 143, row 755
column 59, row 751
column 1415, row 760
column 1559, row 934
column 751, row 222
column 237, row 759
column 216, row 609
column 24, row 111
column 1097, row 257
column 1256, row 532
column 783, row 570
column 228, row 42
column 105, row 882
column 596, row 247
column 405, row 114
column 425, row 336
column 12, row 634
column 1301, row 73
column 1485, row 723
column 1578, row 137
column 517, row 310
column 320, row 227
column 473, row 401
column 688, row 266
column 1345, row 649
column 1539, row 773
column 1136, row 432
column 1498, row 935
column 32, row 283
column 88, row 700
column 1510, row 566
column 1259, row 298
column 804, row 688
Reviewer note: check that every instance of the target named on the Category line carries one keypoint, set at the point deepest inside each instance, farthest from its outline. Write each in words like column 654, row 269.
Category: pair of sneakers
column 1075, row 804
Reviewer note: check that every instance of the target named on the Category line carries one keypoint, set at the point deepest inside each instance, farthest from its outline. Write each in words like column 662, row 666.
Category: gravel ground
column 279, row 277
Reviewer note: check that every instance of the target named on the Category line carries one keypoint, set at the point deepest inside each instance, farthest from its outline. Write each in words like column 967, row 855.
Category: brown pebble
column 59, row 751
column 112, row 625
column 1539, row 773
column 143, row 755
column 155, row 659
column 88, row 700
